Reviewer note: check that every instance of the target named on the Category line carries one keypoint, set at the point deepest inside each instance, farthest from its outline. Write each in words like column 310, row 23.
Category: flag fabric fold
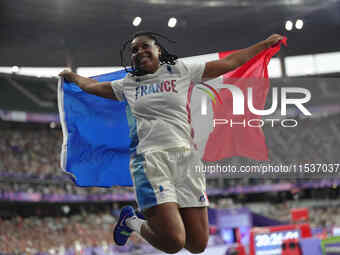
column 95, row 148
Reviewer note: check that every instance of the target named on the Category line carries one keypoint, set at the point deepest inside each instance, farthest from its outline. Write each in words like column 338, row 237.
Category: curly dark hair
column 164, row 58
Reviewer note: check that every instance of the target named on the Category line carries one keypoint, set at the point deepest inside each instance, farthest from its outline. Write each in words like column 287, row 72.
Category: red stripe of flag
column 225, row 141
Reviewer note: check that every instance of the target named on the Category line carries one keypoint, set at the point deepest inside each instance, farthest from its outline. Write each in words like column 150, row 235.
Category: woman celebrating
column 171, row 195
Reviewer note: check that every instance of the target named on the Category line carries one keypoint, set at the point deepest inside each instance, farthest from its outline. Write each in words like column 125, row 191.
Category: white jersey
column 158, row 106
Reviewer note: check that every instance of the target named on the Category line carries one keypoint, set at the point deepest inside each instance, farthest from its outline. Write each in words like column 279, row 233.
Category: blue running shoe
column 140, row 215
column 122, row 232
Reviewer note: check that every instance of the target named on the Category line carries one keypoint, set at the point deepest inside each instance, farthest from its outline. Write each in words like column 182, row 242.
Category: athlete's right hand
column 68, row 75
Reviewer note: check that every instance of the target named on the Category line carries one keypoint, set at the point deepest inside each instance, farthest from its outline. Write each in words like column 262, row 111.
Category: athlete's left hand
column 272, row 40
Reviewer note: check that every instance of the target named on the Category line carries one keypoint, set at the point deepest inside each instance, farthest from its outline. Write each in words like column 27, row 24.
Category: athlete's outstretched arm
column 213, row 69
column 102, row 89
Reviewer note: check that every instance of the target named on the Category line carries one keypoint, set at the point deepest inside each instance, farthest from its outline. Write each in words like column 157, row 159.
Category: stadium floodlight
column 53, row 125
column 15, row 69
column 136, row 21
column 66, row 209
column 289, row 25
column 172, row 22
column 299, row 24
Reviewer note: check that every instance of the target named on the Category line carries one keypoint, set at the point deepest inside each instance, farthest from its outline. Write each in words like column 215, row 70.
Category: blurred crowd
column 28, row 155
column 59, row 229
column 33, row 234
column 34, row 152
column 323, row 213
column 55, row 235
column 325, row 217
column 312, row 140
column 29, row 162
column 63, row 189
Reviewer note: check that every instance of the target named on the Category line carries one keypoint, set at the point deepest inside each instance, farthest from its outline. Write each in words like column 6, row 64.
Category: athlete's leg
column 156, row 196
column 193, row 202
column 164, row 228
column 162, row 186
column 196, row 225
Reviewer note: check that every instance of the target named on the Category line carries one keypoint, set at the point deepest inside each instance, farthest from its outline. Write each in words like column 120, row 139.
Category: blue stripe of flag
column 96, row 136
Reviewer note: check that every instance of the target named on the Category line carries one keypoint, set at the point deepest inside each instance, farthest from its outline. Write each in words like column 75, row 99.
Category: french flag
column 95, row 149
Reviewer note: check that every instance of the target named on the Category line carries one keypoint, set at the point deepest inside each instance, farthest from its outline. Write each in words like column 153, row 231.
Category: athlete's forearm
column 242, row 56
column 213, row 69
column 83, row 82
column 102, row 89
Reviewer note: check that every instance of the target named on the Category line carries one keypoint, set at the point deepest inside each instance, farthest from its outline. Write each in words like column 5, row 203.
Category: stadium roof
column 90, row 33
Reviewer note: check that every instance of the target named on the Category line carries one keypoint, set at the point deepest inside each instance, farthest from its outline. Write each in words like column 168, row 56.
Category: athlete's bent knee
column 197, row 248
column 175, row 243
